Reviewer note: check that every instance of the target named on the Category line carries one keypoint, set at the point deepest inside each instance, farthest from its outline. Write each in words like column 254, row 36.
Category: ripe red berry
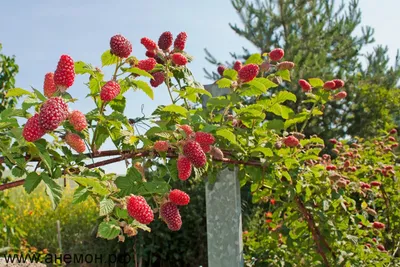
column 184, row 167
column 179, row 197
column 52, row 113
column 381, row 247
column 170, row 214
column 378, row 225
column 192, row 150
column 120, row 46
column 305, row 86
column 338, row 83
column 187, row 129
column 139, row 209
column 391, row 138
column 161, row 146
column 32, row 130
column 165, row 40
column 49, row 87
column 206, row 148
column 291, row 141
column 149, row 44
column 340, row 95
column 330, row 167
column 329, row 85
column 180, row 41
column 158, row 78
column 276, row 54
column 394, row 145
column 147, row 64
column 368, row 245
column 78, row 120
column 333, row 141
column 109, row 91
column 75, row 142
column 248, row 72
column 151, row 54
column 216, row 153
column 237, row 66
column 204, row 138
column 65, row 73
column 393, row 131
column 221, row 69
column 364, row 185
column 376, row 183
column 179, row 59
column 285, row 65
column 272, row 201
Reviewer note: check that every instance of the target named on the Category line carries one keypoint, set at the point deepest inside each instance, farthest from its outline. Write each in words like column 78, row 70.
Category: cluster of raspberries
column 160, row 52
column 54, row 111
column 329, row 85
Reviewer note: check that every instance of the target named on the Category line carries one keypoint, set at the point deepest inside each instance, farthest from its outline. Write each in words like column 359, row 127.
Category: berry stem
column 180, row 88
column 95, row 131
column 167, row 80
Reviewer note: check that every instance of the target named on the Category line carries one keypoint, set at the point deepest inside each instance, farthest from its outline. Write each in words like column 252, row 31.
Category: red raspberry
column 151, row 54
column 139, row 209
column 272, row 201
column 78, row 120
column 285, row 65
column 248, row 72
column 179, row 59
column 276, row 54
column 180, row 41
column 378, row 225
column 32, row 130
column 338, row 83
column 394, row 145
column 187, row 129
column 165, row 40
column 65, row 73
column 364, row 185
column 120, row 46
column 158, row 78
column 330, row 167
column 237, row 66
column 75, row 142
column 291, row 141
column 305, row 86
column 170, row 214
column 368, row 245
column 329, row 85
column 204, row 138
column 161, row 146
column 340, row 95
column 376, row 183
column 49, row 87
column 52, row 113
column 192, row 150
column 393, row 131
column 179, row 197
column 149, row 44
column 391, row 138
column 147, row 64
column 184, row 167
column 333, row 141
column 381, row 247
column 217, row 153
column 109, row 91
column 205, row 148
column 221, row 69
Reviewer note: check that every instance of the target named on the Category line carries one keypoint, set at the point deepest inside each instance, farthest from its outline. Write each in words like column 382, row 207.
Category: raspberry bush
column 329, row 209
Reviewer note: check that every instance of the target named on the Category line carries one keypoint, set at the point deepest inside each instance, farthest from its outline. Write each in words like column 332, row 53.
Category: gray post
column 224, row 216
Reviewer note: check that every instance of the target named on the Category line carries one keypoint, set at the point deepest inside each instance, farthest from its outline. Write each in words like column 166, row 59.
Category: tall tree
column 320, row 36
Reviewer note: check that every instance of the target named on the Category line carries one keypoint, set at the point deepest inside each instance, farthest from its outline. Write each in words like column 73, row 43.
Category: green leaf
column 15, row 92
column 258, row 85
column 130, row 183
column 224, row 83
column 108, row 59
column 230, row 74
column 227, row 135
column 93, row 184
column 32, row 181
column 275, row 125
column 106, row 206
column 285, row 95
column 109, row 230
column 284, row 74
column 80, row 195
column 265, row 150
column 254, row 59
column 316, row 82
column 102, row 135
column 118, row 103
column 83, row 68
column 39, row 95
column 191, row 93
column 176, row 109
column 121, row 213
column 266, row 82
column 139, row 72
column 53, row 190
column 145, row 88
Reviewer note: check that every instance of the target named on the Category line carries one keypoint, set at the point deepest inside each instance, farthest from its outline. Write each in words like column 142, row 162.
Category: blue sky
column 38, row 32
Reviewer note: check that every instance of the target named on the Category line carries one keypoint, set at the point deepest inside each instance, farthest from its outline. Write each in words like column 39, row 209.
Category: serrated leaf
column 39, row 95
column 284, row 74
column 118, row 104
column 275, row 125
column 32, row 181
column 80, row 195
column 83, row 68
column 176, row 109
column 254, row 59
column 109, row 230
column 224, row 83
column 16, row 92
column 145, row 88
column 227, row 135
column 121, row 213
column 106, row 206
column 139, row 72
column 284, row 96
column 108, row 59
column 316, row 82
column 265, row 150
column 230, row 74
column 130, row 183
column 53, row 190
column 102, row 135
column 92, row 184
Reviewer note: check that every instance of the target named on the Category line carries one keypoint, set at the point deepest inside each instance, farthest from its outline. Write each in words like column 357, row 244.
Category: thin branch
column 387, row 203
